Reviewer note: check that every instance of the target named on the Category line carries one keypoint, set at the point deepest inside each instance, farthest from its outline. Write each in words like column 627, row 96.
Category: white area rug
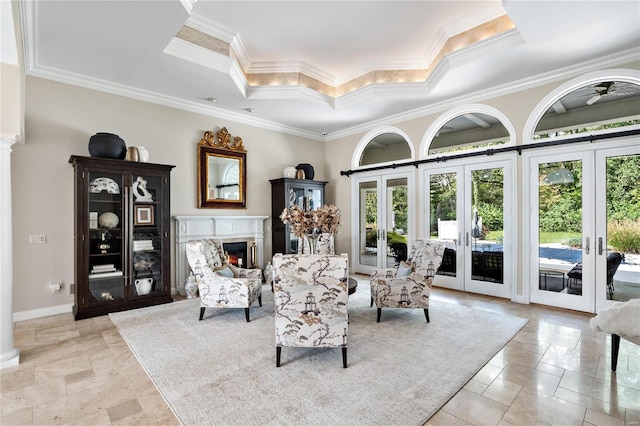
column 221, row 370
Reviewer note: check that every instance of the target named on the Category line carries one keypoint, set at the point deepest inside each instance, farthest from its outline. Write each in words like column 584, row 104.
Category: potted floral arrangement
column 311, row 223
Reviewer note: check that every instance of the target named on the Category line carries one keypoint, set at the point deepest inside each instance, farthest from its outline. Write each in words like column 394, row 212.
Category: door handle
column 600, row 246
column 587, row 249
column 384, row 234
column 378, row 237
column 466, row 239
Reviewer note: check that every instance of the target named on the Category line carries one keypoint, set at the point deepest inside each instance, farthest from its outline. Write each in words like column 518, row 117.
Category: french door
column 582, row 219
column 470, row 208
column 382, row 219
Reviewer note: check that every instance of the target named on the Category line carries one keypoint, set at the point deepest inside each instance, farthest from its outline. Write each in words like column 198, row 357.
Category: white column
column 9, row 355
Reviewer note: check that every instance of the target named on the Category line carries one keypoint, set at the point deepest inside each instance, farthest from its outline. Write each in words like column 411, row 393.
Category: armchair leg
column 278, row 352
column 371, row 302
column 201, row 312
column 260, row 300
column 426, row 314
column 379, row 312
column 615, row 347
column 246, row 313
column 344, row 357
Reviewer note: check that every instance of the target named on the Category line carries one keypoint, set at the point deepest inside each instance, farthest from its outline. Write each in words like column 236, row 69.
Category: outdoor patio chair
column 614, row 260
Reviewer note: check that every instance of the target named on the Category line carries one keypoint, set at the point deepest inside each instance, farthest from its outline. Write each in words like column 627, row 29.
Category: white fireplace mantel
column 189, row 228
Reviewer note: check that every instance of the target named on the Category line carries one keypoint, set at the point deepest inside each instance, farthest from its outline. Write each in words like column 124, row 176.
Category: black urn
column 107, row 145
column 308, row 170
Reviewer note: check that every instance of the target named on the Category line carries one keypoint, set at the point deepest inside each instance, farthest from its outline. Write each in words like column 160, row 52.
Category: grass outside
column 559, row 237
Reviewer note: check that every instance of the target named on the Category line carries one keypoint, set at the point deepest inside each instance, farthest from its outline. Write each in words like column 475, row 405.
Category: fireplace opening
column 237, row 254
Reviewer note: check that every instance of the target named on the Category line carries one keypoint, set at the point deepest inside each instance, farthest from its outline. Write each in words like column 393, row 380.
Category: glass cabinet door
column 105, row 268
column 146, row 236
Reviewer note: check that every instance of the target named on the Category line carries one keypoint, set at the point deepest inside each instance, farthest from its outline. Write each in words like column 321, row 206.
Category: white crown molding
column 506, row 89
column 211, row 28
column 267, row 67
column 486, row 47
column 239, row 79
column 219, row 31
column 289, row 92
column 223, row 33
column 188, row 5
column 199, row 55
column 240, row 52
column 169, row 101
column 29, row 36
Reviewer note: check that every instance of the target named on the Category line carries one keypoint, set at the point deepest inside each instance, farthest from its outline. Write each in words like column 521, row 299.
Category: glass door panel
column 396, row 226
column 618, row 226
column 106, row 270
column 487, row 228
column 147, row 236
column 562, row 272
column 469, row 208
column 384, row 220
column 443, row 223
column 368, row 229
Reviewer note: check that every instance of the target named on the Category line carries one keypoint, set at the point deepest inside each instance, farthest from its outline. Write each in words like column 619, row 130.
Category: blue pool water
column 565, row 254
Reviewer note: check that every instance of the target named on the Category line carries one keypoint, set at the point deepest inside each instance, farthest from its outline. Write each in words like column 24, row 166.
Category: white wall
column 10, row 101
column 61, row 118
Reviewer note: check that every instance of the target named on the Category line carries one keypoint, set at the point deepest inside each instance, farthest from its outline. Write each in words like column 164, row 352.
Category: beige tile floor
column 555, row 371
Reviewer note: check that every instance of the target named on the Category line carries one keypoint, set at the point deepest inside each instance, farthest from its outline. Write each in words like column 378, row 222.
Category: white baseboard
column 42, row 312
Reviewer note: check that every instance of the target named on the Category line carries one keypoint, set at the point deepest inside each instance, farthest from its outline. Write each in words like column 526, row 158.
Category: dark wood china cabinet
column 122, row 245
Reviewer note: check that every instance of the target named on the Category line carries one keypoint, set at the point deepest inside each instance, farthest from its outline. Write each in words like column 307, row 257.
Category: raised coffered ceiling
column 319, row 67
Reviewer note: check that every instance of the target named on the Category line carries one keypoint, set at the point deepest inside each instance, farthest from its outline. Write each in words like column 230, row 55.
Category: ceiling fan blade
column 594, row 99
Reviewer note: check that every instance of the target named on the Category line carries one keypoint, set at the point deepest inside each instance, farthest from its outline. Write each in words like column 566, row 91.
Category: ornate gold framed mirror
column 222, row 173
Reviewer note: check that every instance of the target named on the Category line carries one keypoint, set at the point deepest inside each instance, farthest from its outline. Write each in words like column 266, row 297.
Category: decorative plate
column 104, row 184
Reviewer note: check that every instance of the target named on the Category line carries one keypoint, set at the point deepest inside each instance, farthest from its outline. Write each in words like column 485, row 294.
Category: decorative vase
column 289, row 172
column 190, row 287
column 308, row 170
column 312, row 239
column 143, row 154
column 143, row 286
column 108, row 220
column 132, row 154
column 107, row 145
column 268, row 273
column 300, row 174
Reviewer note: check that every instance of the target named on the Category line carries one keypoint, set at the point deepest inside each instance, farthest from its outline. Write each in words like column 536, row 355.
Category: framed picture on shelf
column 143, row 215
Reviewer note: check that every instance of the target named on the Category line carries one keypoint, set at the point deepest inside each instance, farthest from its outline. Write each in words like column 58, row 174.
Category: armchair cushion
column 404, row 269
column 226, row 272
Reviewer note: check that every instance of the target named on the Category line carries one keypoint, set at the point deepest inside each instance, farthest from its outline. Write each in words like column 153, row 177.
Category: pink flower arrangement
column 324, row 219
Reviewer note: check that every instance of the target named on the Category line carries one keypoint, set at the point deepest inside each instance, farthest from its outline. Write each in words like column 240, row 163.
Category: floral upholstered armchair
column 310, row 293
column 408, row 285
column 222, row 285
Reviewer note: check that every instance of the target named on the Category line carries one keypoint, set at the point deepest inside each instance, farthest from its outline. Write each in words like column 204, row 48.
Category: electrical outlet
column 37, row 239
column 55, row 286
